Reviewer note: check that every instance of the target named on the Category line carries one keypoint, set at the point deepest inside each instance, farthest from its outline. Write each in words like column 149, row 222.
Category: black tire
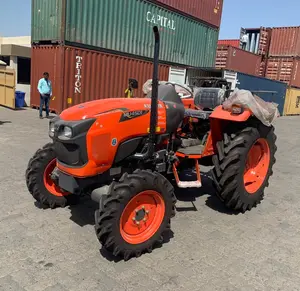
column 35, row 182
column 229, row 165
column 107, row 218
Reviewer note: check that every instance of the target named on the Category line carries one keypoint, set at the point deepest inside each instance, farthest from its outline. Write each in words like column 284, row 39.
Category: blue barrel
column 20, row 99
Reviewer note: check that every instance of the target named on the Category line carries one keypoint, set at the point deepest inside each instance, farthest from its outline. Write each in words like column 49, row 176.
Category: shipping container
column 258, row 39
column 284, row 69
column 80, row 75
column 125, row 27
column 292, row 102
column 236, row 59
column 206, row 10
column 274, row 91
column 231, row 42
column 285, row 42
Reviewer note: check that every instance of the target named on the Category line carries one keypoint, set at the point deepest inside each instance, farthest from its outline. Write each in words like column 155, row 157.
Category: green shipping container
column 125, row 26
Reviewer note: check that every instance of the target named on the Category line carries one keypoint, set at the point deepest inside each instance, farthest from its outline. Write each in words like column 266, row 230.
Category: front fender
column 220, row 113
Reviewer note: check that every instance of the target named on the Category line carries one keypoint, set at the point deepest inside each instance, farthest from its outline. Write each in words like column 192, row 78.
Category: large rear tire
column 39, row 182
column 135, row 213
column 243, row 165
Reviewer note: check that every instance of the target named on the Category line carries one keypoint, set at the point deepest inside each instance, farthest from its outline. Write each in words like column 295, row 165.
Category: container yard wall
column 285, row 42
column 292, row 102
column 231, row 42
column 126, row 27
column 80, row 75
column 206, row 10
column 254, row 83
column 284, row 69
column 237, row 59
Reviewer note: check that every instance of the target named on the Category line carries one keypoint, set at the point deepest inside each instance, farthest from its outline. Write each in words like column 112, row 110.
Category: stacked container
column 92, row 48
column 236, row 59
column 284, row 56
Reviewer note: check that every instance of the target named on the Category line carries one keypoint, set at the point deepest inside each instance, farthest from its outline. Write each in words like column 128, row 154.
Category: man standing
column 244, row 41
column 45, row 90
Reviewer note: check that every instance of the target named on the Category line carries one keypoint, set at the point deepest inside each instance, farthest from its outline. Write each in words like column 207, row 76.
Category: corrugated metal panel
column 126, row 26
column 292, row 102
column 207, row 10
column 80, row 75
column 285, row 70
column 231, row 42
column 285, row 42
column 237, row 59
column 46, row 18
column 254, row 83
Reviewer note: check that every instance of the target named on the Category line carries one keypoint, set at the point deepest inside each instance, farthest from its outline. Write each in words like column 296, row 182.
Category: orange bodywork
column 108, row 132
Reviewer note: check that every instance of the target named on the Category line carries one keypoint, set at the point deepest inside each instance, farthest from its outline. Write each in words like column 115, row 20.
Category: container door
column 7, row 88
column 177, row 75
column 231, row 78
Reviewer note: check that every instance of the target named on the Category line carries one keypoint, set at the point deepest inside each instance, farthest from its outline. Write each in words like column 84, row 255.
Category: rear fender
column 220, row 113
column 219, row 120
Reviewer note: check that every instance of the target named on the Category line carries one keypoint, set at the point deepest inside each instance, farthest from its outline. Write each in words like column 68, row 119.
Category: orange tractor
column 125, row 152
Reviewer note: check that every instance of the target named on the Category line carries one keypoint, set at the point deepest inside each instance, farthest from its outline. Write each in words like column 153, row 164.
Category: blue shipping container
column 254, row 83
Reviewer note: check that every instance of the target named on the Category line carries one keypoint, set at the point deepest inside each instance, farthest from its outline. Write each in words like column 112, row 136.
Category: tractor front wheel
column 243, row 165
column 39, row 179
column 135, row 213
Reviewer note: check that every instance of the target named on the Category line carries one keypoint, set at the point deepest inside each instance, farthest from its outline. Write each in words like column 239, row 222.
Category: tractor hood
column 93, row 108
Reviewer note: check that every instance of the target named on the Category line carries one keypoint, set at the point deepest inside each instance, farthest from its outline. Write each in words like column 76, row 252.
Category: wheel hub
column 142, row 217
column 257, row 165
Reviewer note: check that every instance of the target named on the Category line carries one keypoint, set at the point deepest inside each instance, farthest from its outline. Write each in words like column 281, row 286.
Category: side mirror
column 134, row 83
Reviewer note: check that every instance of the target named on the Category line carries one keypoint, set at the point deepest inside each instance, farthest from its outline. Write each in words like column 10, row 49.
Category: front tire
column 243, row 165
column 135, row 213
column 39, row 182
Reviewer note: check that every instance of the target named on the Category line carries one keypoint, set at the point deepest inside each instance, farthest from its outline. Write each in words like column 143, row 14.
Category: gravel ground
column 43, row 249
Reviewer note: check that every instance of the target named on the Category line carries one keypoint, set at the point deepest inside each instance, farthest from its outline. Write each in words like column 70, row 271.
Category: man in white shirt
column 244, row 41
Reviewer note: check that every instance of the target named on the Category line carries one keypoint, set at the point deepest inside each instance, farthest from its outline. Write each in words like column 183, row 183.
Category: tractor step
column 192, row 150
column 188, row 184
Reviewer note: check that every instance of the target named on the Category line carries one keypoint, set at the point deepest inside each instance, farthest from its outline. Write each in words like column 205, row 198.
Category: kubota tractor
column 123, row 153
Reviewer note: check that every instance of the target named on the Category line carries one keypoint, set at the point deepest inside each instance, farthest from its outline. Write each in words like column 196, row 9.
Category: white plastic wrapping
column 147, row 88
column 266, row 112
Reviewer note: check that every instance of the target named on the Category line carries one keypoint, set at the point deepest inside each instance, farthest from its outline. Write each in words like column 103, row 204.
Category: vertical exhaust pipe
column 154, row 97
column 154, row 101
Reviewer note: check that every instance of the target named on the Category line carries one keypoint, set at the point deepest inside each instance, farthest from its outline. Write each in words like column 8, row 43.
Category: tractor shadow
column 191, row 194
column 167, row 236
column 4, row 122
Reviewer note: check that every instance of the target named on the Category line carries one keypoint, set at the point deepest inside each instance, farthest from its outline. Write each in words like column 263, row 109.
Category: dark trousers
column 44, row 100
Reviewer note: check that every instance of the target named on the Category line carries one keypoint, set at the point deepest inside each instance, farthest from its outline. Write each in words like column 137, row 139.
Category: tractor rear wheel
column 135, row 213
column 243, row 165
column 40, row 183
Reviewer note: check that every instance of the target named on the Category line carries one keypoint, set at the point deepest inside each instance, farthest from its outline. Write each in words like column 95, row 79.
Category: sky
column 15, row 18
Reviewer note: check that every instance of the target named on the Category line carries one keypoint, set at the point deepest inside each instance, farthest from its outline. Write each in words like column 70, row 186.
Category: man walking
column 45, row 90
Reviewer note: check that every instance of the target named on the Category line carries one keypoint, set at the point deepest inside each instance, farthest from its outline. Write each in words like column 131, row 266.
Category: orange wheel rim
column 257, row 165
column 142, row 217
column 49, row 183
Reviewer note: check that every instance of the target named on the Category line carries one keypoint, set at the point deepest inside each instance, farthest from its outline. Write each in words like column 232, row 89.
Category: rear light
column 236, row 110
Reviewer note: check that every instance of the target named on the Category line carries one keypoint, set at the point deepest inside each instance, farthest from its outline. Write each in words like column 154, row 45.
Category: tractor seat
column 194, row 113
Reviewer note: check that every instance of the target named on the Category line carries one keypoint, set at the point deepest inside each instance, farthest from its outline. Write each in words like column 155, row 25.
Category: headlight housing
column 51, row 129
column 66, row 132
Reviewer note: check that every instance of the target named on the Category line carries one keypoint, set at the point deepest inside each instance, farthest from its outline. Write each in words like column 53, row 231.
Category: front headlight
column 51, row 129
column 67, row 132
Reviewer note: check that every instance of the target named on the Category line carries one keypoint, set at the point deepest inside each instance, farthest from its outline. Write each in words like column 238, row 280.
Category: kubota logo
column 160, row 20
column 78, row 75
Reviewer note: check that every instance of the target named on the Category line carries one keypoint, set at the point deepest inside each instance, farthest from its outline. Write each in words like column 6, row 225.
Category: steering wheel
column 179, row 85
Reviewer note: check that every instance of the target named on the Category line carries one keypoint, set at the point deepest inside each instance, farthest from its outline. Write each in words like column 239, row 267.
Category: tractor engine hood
column 93, row 108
